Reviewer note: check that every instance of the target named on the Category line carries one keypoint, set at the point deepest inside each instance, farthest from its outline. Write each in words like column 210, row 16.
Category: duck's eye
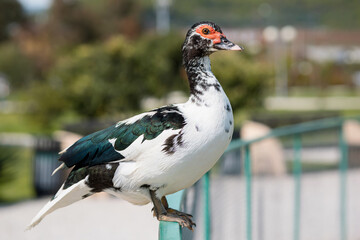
column 205, row 31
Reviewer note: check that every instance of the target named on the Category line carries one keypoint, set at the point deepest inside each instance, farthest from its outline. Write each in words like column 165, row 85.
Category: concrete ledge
column 312, row 103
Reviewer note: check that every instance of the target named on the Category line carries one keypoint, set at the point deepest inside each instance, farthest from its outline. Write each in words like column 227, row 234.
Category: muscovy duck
column 144, row 158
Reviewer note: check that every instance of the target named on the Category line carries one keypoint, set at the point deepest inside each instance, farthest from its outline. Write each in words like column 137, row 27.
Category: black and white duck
column 146, row 157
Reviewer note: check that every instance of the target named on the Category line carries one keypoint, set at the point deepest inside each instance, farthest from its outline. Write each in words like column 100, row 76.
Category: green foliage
column 11, row 12
column 15, row 65
column 6, row 171
column 245, row 81
column 19, row 122
column 15, row 174
column 160, row 60
column 105, row 79
column 86, row 21
column 46, row 105
column 87, row 81
column 259, row 13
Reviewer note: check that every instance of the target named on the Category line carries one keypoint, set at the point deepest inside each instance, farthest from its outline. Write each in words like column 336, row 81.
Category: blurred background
column 71, row 67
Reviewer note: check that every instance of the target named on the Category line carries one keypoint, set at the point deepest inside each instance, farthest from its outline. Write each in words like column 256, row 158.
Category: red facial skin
column 213, row 35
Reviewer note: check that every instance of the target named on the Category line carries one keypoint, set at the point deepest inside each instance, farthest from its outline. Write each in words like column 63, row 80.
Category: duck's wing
column 111, row 143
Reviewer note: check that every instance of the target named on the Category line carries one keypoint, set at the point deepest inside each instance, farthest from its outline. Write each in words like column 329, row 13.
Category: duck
column 153, row 154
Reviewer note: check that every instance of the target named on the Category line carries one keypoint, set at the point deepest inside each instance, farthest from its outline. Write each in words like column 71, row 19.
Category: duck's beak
column 225, row 44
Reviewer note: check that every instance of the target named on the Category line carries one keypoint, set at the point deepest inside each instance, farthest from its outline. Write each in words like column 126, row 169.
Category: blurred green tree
column 11, row 13
column 16, row 66
column 73, row 22
column 7, row 172
column 245, row 81
column 105, row 79
column 260, row 13
column 101, row 79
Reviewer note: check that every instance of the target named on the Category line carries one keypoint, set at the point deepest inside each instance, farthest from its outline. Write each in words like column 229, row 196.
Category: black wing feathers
column 96, row 149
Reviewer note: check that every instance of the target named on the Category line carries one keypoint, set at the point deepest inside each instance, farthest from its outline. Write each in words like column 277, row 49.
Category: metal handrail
column 172, row 230
column 300, row 128
column 293, row 130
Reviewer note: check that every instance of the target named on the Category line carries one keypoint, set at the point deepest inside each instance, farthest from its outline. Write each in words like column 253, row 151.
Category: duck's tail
column 62, row 198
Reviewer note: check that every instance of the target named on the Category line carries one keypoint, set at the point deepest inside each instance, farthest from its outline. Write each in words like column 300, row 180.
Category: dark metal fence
column 45, row 161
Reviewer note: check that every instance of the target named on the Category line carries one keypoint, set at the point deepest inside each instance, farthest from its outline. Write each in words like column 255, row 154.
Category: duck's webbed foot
column 164, row 213
column 183, row 219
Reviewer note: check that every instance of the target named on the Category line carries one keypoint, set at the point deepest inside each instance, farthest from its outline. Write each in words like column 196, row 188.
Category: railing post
column 248, row 193
column 297, row 178
column 343, row 166
column 207, row 222
column 172, row 230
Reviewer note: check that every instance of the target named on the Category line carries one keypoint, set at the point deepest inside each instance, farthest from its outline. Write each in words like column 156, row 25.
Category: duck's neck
column 201, row 79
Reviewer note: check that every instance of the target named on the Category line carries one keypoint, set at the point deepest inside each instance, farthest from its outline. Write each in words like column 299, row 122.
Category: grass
column 312, row 166
column 16, row 174
column 16, row 122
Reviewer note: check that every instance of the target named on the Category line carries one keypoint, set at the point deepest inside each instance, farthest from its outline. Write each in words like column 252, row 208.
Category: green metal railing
column 172, row 231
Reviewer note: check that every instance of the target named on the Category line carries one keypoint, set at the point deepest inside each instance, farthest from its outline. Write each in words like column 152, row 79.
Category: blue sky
column 35, row 5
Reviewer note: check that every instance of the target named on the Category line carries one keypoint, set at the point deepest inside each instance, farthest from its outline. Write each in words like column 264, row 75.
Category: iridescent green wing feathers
column 97, row 148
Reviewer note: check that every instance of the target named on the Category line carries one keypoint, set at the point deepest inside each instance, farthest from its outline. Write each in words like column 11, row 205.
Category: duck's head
column 204, row 38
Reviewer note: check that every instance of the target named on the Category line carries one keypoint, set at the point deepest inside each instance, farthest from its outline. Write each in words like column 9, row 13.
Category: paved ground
column 273, row 207
column 98, row 217
column 109, row 218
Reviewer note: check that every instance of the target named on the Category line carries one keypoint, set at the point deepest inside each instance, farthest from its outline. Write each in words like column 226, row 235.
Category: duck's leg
column 164, row 213
column 171, row 210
